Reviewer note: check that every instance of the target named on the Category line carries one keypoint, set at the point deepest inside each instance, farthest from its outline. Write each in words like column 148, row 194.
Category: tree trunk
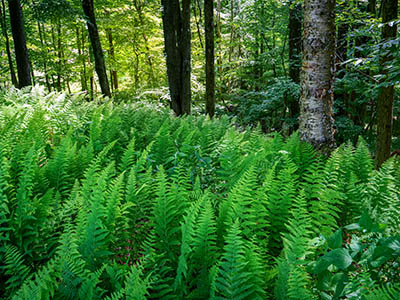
column 5, row 34
column 21, row 51
column 295, row 31
column 139, row 10
column 316, row 121
column 81, row 59
column 44, row 46
column 88, row 9
column 372, row 7
column 295, row 26
column 177, row 38
column 113, row 72
column 386, row 94
column 341, row 57
column 59, row 56
column 210, row 57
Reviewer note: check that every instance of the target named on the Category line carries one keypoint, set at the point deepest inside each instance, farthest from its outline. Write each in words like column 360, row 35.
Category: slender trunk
column 316, row 121
column 43, row 46
column 88, row 9
column 81, row 59
column 85, row 72
column 59, row 56
column 341, row 57
column 198, row 22
column 5, row 34
column 219, row 36
column 42, row 43
column 146, row 45
column 21, row 51
column 295, row 31
column 232, row 33
column 92, row 83
column 177, row 38
column 113, row 72
column 185, row 46
column 210, row 56
column 386, row 93
column 372, row 7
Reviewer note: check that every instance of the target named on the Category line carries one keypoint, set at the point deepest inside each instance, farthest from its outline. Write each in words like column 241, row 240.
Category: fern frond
column 15, row 269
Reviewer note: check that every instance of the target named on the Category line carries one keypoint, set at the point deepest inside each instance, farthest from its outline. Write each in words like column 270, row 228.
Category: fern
column 233, row 280
column 15, row 269
column 293, row 279
column 136, row 287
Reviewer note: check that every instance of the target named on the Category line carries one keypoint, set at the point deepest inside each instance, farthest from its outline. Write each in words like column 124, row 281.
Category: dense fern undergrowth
column 127, row 202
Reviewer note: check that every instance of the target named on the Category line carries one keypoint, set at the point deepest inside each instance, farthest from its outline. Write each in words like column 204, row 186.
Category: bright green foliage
column 103, row 201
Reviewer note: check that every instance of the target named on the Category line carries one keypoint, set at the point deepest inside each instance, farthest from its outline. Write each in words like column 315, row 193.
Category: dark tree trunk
column 316, row 121
column 210, row 57
column 386, row 94
column 113, row 72
column 372, row 7
column 177, row 38
column 5, row 34
column 295, row 31
column 88, row 9
column 21, row 51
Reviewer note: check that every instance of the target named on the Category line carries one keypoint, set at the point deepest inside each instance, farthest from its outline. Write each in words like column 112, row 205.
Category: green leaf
column 340, row 258
column 335, row 240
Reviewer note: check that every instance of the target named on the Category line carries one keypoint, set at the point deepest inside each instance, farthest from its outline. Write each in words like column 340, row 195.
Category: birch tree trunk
column 386, row 93
column 316, row 121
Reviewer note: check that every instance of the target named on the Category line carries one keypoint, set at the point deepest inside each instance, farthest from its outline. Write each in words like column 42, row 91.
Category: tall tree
column 113, row 72
column 177, row 39
column 5, row 34
column 295, row 26
column 210, row 57
column 316, row 121
column 21, row 51
column 386, row 93
column 100, row 66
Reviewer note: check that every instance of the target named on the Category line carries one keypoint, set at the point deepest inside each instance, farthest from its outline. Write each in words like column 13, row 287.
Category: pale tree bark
column 177, row 38
column 21, row 51
column 316, row 121
column 100, row 66
column 386, row 93
column 210, row 57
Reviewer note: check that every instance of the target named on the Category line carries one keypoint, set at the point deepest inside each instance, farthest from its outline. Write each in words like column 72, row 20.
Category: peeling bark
column 316, row 121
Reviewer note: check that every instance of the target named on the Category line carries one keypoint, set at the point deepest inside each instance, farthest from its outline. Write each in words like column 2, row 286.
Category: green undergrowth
column 103, row 201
